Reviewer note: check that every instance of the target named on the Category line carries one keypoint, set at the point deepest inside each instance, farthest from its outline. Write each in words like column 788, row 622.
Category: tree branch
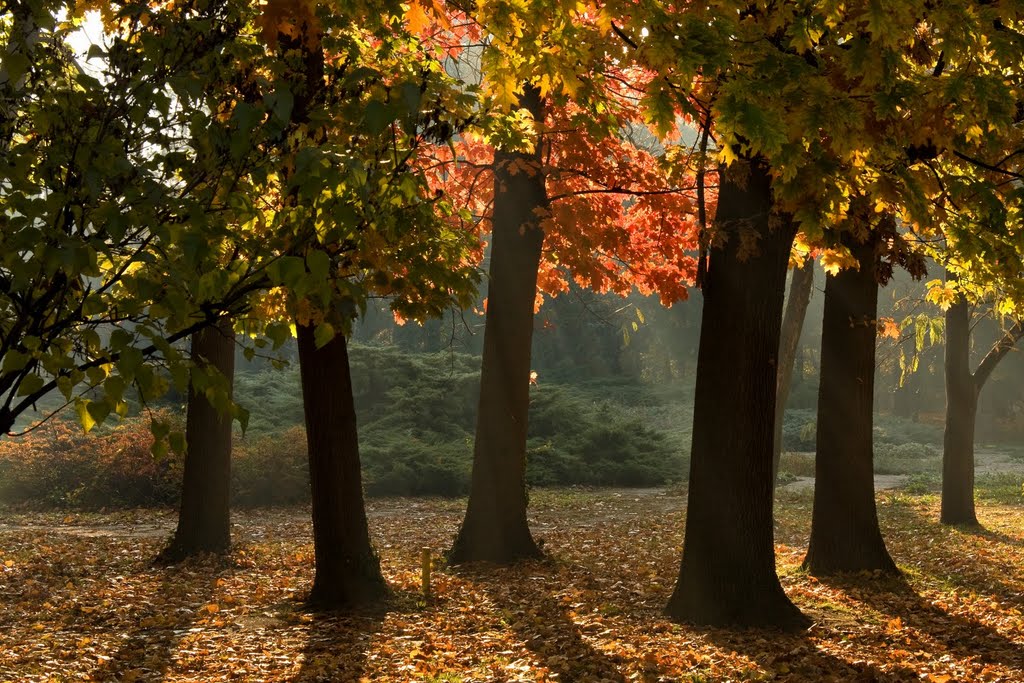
column 996, row 354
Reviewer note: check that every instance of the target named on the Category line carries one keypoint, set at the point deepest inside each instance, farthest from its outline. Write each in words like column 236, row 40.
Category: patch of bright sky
column 89, row 33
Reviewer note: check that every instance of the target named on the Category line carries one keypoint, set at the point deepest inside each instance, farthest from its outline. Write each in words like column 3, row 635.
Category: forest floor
column 80, row 601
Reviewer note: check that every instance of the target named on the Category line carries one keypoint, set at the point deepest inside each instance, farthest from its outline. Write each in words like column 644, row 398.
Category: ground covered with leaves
column 81, row 601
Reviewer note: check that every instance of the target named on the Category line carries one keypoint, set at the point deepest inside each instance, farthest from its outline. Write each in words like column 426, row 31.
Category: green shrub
column 799, row 430
column 924, row 483
column 573, row 441
column 416, row 415
column 270, row 469
column 898, row 430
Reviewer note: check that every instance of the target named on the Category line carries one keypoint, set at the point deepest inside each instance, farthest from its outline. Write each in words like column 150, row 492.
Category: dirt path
column 986, row 461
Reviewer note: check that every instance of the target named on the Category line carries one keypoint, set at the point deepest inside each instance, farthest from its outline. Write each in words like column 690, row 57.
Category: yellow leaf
column 941, row 296
column 835, row 260
column 82, row 408
column 416, row 17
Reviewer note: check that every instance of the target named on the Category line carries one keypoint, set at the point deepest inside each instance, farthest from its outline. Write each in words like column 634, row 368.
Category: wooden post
column 425, row 563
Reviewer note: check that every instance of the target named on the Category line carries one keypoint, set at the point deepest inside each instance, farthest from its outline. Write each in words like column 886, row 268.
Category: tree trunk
column 962, row 406
column 204, row 519
column 961, row 409
column 844, row 527
column 347, row 571
column 495, row 528
column 727, row 574
column 962, row 390
column 789, row 341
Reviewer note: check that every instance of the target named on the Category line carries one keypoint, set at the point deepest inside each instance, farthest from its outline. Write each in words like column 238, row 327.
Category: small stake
column 425, row 563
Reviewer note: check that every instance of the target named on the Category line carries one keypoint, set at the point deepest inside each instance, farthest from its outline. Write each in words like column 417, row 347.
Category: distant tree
column 962, row 390
column 495, row 526
column 204, row 518
column 800, row 287
column 566, row 196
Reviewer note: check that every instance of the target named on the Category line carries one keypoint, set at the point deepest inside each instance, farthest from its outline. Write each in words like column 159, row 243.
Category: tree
column 575, row 200
column 495, row 527
column 792, row 325
column 962, row 389
column 727, row 573
column 347, row 568
column 204, row 519
column 357, row 218
column 845, row 536
column 116, row 185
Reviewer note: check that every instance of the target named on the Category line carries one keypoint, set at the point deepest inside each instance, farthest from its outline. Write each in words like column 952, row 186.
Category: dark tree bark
column 962, row 390
column 495, row 528
column 844, row 527
column 204, row 518
column 961, row 409
column 347, row 570
column 727, row 574
column 789, row 340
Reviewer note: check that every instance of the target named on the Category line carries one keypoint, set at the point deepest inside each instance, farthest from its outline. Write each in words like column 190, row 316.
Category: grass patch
column 792, row 465
column 1006, row 488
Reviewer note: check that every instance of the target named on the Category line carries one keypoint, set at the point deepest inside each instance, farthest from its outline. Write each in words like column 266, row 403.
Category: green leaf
column 98, row 410
column 15, row 63
column 323, row 334
column 281, row 103
column 30, row 384
column 177, row 442
column 242, row 415
column 278, row 333
column 14, row 361
column 376, row 117
column 319, row 264
column 287, row 271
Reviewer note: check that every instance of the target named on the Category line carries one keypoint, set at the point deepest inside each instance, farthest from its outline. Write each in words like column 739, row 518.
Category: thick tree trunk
column 495, row 528
column 204, row 519
column 789, row 340
column 347, row 570
column 844, row 528
column 961, row 409
column 727, row 574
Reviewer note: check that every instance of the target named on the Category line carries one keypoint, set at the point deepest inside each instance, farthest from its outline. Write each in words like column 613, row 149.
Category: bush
column 898, row 430
column 796, row 465
column 799, row 430
column 576, row 442
column 58, row 465
column 271, row 469
column 417, row 416
column 924, row 483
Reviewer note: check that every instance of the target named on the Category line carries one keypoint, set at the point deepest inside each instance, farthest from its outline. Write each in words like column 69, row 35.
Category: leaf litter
column 82, row 601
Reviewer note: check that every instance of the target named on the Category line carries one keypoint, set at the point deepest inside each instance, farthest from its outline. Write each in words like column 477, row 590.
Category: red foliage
column 620, row 217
